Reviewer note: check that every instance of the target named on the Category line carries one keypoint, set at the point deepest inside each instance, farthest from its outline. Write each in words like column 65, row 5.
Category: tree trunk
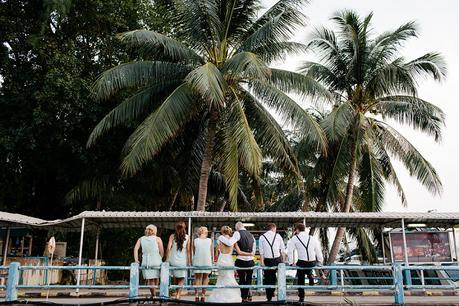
column 207, row 161
column 347, row 203
column 222, row 206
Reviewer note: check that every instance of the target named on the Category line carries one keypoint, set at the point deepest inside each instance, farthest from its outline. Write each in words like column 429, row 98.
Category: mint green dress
column 150, row 257
column 178, row 258
column 202, row 254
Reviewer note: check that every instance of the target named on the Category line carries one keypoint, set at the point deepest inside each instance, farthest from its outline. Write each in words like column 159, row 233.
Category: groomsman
column 272, row 248
column 245, row 244
column 309, row 254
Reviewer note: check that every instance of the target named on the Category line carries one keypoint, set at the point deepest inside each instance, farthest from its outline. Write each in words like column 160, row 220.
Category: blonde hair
column 226, row 230
column 151, row 230
column 202, row 230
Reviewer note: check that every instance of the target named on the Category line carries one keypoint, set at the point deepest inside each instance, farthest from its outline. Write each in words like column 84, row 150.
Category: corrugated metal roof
column 11, row 219
column 166, row 219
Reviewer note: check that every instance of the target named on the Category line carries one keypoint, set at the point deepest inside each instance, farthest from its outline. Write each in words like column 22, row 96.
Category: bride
column 225, row 277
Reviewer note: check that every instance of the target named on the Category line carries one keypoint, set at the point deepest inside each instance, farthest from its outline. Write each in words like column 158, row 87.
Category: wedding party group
column 302, row 250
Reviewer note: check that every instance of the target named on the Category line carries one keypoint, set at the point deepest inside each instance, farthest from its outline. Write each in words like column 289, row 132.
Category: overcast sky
column 437, row 32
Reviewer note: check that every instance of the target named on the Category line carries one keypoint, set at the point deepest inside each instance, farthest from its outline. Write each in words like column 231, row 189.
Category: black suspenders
column 271, row 244
column 305, row 246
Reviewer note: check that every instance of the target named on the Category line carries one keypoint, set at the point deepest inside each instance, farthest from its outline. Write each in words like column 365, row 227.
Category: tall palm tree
column 216, row 71
column 373, row 83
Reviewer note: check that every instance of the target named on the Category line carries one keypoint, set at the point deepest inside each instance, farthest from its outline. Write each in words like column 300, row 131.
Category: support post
column 259, row 279
column 333, row 277
column 189, row 272
column 405, row 250
column 405, row 253
column 6, row 245
column 13, row 281
column 383, row 246
column 281, row 282
column 399, row 296
column 96, row 255
column 96, row 251
column 80, row 254
column 164, row 281
column 134, row 281
column 455, row 245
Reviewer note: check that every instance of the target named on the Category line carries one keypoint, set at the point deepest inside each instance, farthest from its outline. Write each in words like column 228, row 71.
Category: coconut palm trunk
column 207, row 161
column 347, row 203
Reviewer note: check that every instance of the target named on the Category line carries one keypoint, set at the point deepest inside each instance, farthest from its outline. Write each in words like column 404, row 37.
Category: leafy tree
column 215, row 71
column 373, row 83
column 50, row 54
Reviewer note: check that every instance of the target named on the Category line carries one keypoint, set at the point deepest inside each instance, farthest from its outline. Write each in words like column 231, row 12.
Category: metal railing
column 395, row 278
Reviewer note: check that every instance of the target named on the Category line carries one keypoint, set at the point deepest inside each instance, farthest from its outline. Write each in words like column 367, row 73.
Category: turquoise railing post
column 259, row 279
column 281, row 282
column 164, row 280
column 134, row 280
column 333, row 277
column 407, row 273
column 13, row 281
column 399, row 296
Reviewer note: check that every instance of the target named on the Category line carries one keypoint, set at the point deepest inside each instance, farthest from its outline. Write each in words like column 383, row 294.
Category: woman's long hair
column 180, row 234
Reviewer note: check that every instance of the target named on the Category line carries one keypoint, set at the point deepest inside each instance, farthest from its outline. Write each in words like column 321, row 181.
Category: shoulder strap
column 271, row 244
column 305, row 246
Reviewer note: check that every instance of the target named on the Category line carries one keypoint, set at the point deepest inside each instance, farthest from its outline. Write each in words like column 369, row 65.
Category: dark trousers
column 270, row 277
column 300, row 274
column 245, row 276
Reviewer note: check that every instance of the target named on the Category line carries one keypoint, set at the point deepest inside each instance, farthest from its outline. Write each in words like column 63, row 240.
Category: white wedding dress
column 225, row 278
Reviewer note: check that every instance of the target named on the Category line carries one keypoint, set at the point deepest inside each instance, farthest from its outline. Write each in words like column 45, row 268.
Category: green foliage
column 219, row 55
column 51, row 52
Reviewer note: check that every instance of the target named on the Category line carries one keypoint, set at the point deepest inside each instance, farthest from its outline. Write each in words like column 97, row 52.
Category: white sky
column 437, row 32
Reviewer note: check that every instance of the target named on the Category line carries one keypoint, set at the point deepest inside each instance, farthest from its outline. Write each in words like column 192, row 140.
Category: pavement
column 64, row 297
column 311, row 300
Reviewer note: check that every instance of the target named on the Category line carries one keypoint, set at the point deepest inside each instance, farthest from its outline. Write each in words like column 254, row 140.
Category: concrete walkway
column 315, row 300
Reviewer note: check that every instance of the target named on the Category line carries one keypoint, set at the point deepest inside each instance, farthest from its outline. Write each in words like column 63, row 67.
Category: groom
column 245, row 242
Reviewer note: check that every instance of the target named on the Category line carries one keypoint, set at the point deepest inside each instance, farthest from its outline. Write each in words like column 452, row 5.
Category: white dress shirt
column 313, row 252
column 277, row 243
column 234, row 239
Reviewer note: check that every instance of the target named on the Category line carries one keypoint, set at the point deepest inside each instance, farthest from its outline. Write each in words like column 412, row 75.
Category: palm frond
column 208, row 82
column 412, row 159
column 198, row 23
column 129, row 110
column 415, row 112
column 389, row 172
column 94, row 188
column 364, row 243
column 337, row 123
column 277, row 51
column 154, row 44
column 250, row 157
column 303, row 86
column 291, row 112
column 371, row 178
column 290, row 17
column 162, row 125
column 246, row 64
column 386, row 45
column 269, row 135
column 430, row 64
column 136, row 74
column 230, row 161
column 391, row 78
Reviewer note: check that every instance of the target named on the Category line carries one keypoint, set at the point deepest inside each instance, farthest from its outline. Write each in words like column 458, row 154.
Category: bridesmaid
column 152, row 254
column 178, row 254
column 202, row 257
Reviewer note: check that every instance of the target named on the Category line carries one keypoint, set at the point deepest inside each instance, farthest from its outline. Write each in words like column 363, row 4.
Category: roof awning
column 167, row 219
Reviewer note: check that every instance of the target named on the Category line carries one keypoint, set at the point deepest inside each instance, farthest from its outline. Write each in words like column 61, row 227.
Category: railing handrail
column 398, row 272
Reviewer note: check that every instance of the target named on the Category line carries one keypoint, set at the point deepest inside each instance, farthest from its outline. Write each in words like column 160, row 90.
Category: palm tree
column 372, row 83
column 216, row 71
